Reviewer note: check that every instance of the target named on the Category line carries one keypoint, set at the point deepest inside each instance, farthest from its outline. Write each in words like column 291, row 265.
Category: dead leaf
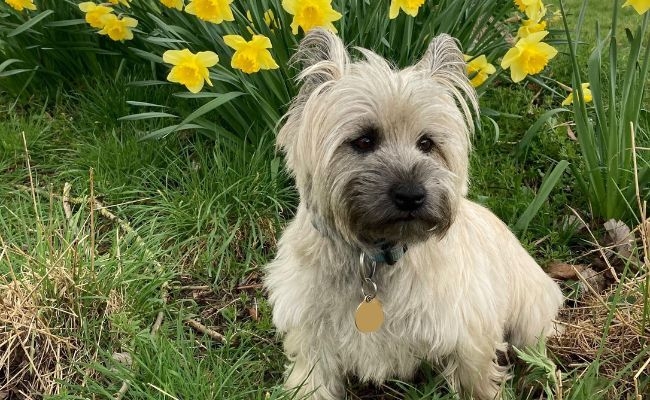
column 570, row 134
column 123, row 358
column 621, row 238
column 594, row 279
column 564, row 271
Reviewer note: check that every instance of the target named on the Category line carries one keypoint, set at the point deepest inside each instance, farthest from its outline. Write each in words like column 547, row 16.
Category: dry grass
column 612, row 328
column 39, row 326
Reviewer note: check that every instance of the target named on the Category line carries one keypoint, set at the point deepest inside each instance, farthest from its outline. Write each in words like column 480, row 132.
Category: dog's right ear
column 322, row 58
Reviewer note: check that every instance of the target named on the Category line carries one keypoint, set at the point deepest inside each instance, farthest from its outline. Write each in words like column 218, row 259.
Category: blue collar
column 387, row 253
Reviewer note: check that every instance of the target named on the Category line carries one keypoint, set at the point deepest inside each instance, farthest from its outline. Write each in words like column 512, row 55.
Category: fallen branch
column 205, row 330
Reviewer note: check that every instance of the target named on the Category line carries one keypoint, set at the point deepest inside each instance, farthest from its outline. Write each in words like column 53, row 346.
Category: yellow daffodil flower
column 250, row 56
column 640, row 6
column 269, row 20
column 529, row 26
column 177, row 4
column 529, row 56
column 20, row 5
column 410, row 7
column 534, row 9
column 586, row 95
column 125, row 2
column 95, row 13
column 215, row 11
column 118, row 28
column 309, row 14
column 478, row 69
column 190, row 69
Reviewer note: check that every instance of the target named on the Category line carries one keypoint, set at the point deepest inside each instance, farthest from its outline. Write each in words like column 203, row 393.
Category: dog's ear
column 322, row 58
column 445, row 63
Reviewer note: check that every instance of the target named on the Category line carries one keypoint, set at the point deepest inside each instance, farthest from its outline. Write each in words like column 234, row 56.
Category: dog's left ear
column 445, row 63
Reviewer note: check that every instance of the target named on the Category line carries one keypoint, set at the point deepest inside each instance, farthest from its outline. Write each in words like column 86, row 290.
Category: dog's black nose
column 408, row 196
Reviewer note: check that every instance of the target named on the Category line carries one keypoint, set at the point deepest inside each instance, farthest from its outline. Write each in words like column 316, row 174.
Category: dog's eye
column 425, row 145
column 367, row 142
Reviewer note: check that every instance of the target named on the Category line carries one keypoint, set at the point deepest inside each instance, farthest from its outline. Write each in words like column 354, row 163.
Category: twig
column 67, row 209
column 123, row 389
column 205, row 330
column 92, row 220
column 636, row 379
column 252, row 286
column 31, row 180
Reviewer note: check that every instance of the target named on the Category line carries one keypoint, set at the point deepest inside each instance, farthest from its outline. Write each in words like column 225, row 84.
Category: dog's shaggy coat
column 465, row 287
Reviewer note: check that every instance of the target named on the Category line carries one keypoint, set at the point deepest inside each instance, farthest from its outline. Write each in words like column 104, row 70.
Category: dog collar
column 387, row 253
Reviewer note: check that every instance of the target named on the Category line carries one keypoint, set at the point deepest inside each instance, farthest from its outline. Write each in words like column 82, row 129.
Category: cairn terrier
column 386, row 263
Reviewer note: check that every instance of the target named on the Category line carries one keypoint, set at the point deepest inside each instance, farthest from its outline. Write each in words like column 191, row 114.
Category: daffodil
column 410, row 7
column 95, row 14
column 118, row 28
column 534, row 9
column 309, row 14
column 177, row 4
column 478, row 69
column 529, row 26
column 250, row 56
column 269, row 20
column 125, row 2
column 20, row 5
column 190, row 69
column 586, row 95
column 640, row 6
column 215, row 11
column 529, row 56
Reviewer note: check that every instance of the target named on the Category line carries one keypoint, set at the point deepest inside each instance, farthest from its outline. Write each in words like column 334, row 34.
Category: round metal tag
column 369, row 316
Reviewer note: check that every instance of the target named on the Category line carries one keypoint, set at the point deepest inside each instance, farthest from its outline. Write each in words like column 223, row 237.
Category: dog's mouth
column 407, row 228
column 408, row 217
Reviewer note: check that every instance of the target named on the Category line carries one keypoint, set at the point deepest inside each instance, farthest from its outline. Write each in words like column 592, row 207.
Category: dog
column 386, row 264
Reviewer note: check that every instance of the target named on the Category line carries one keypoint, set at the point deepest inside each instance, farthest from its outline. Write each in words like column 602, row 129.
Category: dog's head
column 380, row 155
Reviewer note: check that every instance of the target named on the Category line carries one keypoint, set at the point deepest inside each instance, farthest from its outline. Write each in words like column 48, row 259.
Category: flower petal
column 290, row 6
column 394, row 10
column 195, row 87
column 234, row 41
column 266, row 60
column 207, row 58
column 510, row 57
column 87, row 6
column 176, row 57
column 260, row 42
column 517, row 73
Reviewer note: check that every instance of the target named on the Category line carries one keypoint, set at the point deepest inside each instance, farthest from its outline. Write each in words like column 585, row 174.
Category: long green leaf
column 29, row 23
column 549, row 182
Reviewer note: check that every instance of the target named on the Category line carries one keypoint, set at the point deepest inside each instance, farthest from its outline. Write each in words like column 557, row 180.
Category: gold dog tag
column 369, row 316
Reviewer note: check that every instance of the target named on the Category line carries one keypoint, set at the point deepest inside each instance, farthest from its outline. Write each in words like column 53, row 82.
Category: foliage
column 249, row 104
column 606, row 133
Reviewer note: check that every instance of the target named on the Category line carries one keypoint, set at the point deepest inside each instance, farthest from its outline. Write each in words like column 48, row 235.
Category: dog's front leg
column 314, row 371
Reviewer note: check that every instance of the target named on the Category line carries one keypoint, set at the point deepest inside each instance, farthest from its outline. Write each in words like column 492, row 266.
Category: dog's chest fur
column 425, row 302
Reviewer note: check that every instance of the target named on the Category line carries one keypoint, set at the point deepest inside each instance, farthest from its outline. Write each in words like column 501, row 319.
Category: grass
column 193, row 222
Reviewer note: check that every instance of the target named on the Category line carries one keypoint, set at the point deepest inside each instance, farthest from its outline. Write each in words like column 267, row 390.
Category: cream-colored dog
column 386, row 263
